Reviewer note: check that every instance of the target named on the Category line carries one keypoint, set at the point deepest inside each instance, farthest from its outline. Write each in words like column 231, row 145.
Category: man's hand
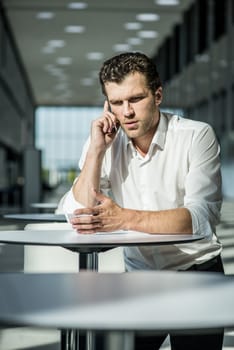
column 106, row 216
column 103, row 129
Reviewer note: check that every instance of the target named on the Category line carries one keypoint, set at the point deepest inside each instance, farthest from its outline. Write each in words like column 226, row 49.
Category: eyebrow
column 137, row 95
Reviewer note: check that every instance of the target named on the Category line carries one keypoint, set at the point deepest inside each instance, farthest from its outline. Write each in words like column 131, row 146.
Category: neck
column 142, row 144
column 142, row 150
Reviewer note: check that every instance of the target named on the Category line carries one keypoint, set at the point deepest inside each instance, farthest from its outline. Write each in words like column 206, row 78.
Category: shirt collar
column 160, row 134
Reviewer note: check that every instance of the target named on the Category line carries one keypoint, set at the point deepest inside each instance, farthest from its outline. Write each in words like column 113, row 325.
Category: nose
column 127, row 109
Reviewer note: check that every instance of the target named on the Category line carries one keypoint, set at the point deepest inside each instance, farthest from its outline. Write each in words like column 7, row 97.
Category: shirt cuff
column 200, row 223
column 68, row 203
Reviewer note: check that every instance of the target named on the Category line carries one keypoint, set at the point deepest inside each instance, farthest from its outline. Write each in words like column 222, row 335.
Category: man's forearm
column 89, row 179
column 107, row 216
column 174, row 221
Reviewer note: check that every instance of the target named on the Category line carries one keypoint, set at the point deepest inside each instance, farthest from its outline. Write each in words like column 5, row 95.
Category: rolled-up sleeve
column 203, row 196
column 68, row 204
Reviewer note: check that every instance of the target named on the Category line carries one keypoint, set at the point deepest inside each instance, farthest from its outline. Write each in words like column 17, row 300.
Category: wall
column 16, row 119
column 199, row 76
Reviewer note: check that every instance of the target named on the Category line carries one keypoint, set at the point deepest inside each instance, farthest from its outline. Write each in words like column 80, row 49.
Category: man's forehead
column 133, row 84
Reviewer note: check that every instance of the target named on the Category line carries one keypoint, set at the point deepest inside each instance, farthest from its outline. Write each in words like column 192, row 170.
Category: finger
column 101, row 229
column 84, row 211
column 92, row 231
column 106, row 123
column 88, row 228
column 112, row 123
column 106, row 106
column 87, row 232
column 84, row 219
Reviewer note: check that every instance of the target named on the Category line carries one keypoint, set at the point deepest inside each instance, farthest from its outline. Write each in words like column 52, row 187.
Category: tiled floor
column 11, row 259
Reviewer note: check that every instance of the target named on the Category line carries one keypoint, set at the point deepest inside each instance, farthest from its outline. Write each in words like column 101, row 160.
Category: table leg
column 91, row 263
column 69, row 340
column 87, row 261
column 90, row 340
column 123, row 340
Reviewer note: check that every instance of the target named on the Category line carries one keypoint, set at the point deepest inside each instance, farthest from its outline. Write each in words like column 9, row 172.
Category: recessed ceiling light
column 134, row 41
column 77, row 5
column 148, row 34
column 95, row 56
column 64, row 60
column 45, row 15
column 56, row 43
column 74, row 29
column 53, row 70
column 133, row 26
column 48, row 50
column 121, row 47
column 167, row 2
column 148, row 17
column 56, row 73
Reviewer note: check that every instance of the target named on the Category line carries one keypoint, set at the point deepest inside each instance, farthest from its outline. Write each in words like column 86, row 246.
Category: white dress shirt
column 181, row 169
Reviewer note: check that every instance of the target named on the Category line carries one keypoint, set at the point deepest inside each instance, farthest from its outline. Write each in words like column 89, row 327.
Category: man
column 149, row 171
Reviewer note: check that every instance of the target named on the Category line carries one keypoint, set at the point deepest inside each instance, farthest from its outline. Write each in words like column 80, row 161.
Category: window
column 60, row 134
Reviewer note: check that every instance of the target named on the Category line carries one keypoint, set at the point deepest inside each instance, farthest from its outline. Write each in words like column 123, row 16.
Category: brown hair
column 118, row 67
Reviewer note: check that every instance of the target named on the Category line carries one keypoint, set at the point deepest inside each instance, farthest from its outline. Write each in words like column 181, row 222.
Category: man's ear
column 158, row 96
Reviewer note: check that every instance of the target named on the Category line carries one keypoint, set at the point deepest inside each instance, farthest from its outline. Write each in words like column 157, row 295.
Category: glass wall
column 60, row 133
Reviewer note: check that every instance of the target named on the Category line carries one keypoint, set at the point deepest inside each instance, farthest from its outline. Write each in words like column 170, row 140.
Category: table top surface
column 72, row 239
column 44, row 205
column 159, row 301
column 39, row 217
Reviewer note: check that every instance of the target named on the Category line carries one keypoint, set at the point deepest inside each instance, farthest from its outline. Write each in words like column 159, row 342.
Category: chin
column 132, row 133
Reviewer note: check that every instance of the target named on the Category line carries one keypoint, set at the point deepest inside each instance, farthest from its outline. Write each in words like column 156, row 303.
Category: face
column 134, row 105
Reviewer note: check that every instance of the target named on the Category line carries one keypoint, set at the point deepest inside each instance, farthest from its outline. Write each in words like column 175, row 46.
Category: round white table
column 159, row 302
column 36, row 217
column 44, row 205
column 89, row 242
column 88, row 247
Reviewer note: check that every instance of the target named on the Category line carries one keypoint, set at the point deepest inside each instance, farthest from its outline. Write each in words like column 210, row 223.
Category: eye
column 117, row 103
column 136, row 99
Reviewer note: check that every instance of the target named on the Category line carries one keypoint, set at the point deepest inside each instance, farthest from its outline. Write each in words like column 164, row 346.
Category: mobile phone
column 109, row 106
column 116, row 126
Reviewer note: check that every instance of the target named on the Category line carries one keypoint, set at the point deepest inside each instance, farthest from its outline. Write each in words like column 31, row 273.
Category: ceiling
column 63, row 43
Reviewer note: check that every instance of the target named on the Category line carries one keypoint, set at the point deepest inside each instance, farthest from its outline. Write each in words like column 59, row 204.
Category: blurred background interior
column 50, row 55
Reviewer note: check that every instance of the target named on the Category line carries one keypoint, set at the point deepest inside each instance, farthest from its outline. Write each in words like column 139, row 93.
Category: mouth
column 131, row 125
